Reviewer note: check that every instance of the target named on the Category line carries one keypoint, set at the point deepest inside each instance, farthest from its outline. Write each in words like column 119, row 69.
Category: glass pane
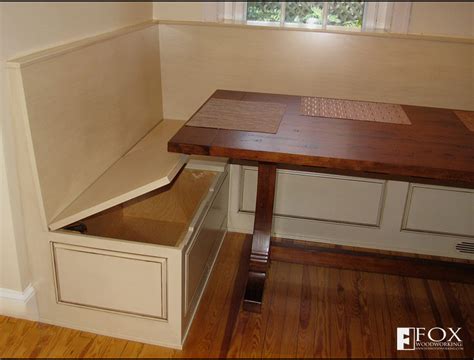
column 348, row 14
column 304, row 12
column 263, row 11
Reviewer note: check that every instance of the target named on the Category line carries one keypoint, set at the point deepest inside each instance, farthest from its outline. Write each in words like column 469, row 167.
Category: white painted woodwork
column 89, row 137
column 351, row 66
column 316, row 196
column 388, row 235
column 111, row 281
column 19, row 304
column 204, row 247
column 204, row 229
column 440, row 210
column 147, row 166
column 116, row 323
column 86, row 106
column 451, row 18
column 400, row 18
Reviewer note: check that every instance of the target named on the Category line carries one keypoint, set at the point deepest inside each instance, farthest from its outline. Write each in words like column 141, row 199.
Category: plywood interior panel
column 87, row 106
column 147, row 166
column 160, row 217
column 176, row 204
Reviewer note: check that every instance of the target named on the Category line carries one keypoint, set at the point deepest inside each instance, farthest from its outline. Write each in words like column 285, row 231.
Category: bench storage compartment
column 92, row 151
column 183, row 222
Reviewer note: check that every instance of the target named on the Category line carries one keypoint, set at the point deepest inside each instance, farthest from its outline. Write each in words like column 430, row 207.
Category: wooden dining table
column 436, row 148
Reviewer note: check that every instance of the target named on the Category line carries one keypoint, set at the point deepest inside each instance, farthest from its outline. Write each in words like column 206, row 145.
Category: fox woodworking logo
column 417, row 338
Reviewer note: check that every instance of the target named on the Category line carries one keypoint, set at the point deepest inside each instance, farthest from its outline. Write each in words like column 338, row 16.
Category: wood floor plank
column 234, row 296
column 289, row 339
column 383, row 331
column 200, row 341
column 338, row 329
column 411, row 309
column 275, row 324
column 235, row 304
column 151, row 352
column 321, row 311
column 461, row 320
column 42, row 335
column 7, row 334
column 110, row 348
column 368, row 307
column 424, row 312
column 464, row 295
column 254, row 332
column 71, row 344
column 98, row 346
column 16, row 341
column 251, row 339
column 307, row 316
column 400, row 315
column 114, row 349
column 132, row 349
column 237, row 336
column 351, row 281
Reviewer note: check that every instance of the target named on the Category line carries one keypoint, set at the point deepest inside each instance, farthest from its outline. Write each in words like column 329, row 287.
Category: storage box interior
column 159, row 217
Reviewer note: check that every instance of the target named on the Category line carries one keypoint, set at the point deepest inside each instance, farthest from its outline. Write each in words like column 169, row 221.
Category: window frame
column 378, row 16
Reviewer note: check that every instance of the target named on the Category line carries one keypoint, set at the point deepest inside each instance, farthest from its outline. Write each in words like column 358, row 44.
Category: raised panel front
column 442, row 210
column 110, row 281
column 319, row 197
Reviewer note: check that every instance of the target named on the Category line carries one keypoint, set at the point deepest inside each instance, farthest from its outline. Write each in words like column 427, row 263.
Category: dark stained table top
column 436, row 148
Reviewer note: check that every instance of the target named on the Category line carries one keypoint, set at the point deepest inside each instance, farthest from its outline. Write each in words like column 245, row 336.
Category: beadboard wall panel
column 197, row 59
column 79, row 99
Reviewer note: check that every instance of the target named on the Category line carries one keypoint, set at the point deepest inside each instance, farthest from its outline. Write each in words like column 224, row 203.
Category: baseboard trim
column 19, row 304
column 113, row 334
column 298, row 252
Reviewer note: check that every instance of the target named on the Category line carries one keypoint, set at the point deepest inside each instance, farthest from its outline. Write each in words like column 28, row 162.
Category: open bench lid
column 145, row 167
column 87, row 115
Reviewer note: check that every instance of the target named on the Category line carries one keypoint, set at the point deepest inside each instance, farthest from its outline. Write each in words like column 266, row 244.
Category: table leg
column 259, row 257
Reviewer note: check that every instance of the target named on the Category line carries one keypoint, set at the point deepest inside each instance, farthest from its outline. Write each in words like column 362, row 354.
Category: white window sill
column 329, row 28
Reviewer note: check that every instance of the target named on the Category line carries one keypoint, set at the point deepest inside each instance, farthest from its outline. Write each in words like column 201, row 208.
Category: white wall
column 198, row 59
column 442, row 18
column 429, row 18
column 25, row 28
column 184, row 11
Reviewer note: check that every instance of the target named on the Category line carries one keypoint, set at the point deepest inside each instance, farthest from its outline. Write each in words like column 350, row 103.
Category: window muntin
column 318, row 14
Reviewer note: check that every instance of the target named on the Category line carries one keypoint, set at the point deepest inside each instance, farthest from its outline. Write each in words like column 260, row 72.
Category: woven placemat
column 239, row 115
column 467, row 118
column 354, row 110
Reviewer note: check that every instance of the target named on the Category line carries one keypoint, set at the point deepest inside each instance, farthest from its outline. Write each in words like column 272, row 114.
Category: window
column 322, row 13
column 338, row 15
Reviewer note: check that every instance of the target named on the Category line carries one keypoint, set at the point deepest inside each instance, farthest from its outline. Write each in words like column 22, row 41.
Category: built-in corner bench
column 122, row 235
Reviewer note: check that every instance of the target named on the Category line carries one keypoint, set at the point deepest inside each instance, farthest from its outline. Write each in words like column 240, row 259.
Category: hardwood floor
column 308, row 311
